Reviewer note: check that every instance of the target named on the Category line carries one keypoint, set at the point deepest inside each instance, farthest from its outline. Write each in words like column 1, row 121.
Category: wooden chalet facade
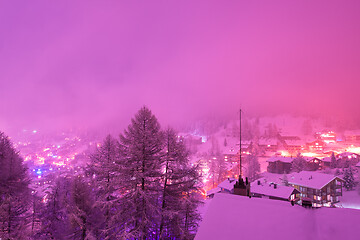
column 322, row 189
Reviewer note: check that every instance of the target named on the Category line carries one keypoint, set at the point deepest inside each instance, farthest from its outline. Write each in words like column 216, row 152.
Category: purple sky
column 81, row 64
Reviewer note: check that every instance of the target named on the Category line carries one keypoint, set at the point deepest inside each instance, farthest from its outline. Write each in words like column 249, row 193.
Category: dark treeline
column 140, row 185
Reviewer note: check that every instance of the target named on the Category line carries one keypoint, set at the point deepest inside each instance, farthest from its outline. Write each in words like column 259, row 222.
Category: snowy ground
column 237, row 217
column 350, row 199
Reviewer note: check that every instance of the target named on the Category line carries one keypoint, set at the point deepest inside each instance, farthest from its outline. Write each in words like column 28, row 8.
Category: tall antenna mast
column 240, row 149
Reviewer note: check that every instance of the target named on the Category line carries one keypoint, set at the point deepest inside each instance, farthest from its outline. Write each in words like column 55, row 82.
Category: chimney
column 275, row 185
column 258, row 182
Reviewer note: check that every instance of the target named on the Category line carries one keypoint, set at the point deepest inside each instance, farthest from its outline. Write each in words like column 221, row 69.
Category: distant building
column 292, row 144
column 268, row 144
column 316, row 146
column 279, row 164
column 352, row 136
column 326, row 136
column 347, row 159
column 322, row 189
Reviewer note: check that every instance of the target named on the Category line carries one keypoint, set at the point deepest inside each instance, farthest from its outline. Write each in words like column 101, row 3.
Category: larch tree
column 54, row 217
column 141, row 147
column 333, row 161
column 104, row 171
column 253, row 167
column 180, row 185
column 84, row 216
column 349, row 183
column 15, row 194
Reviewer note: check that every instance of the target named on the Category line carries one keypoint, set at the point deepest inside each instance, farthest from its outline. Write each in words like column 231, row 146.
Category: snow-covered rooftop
column 228, row 184
column 281, row 159
column 213, row 191
column 308, row 159
column 267, row 188
column 268, row 141
column 312, row 179
column 238, row 217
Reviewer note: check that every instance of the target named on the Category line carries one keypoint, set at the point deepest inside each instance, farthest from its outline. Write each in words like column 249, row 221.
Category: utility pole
column 240, row 172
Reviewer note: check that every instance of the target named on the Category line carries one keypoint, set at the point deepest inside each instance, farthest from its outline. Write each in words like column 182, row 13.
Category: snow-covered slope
column 237, row 217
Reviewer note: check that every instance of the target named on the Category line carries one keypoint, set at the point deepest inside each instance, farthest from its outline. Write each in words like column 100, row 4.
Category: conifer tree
column 333, row 162
column 180, row 193
column 15, row 195
column 349, row 179
column 104, row 173
column 299, row 163
column 253, row 167
column 84, row 216
column 55, row 223
column 141, row 147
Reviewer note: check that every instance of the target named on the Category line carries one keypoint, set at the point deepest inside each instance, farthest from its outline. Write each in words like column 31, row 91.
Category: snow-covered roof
column 268, row 141
column 237, row 217
column 358, row 164
column 308, row 159
column 295, row 142
column 312, row 179
column 281, row 159
column 213, row 191
column 228, row 184
column 266, row 188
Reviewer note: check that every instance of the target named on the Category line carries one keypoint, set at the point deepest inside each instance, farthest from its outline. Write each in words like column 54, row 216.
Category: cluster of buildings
column 318, row 189
column 281, row 164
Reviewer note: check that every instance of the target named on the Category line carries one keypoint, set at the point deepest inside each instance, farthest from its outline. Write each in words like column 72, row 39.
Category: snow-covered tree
column 333, row 161
column 253, row 167
column 104, row 171
column 307, row 127
column 299, row 163
column 84, row 215
column 15, row 195
column 349, row 179
column 285, row 180
column 55, row 223
column 178, row 205
column 141, row 147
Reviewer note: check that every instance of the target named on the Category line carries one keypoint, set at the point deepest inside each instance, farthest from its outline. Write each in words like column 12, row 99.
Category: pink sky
column 84, row 63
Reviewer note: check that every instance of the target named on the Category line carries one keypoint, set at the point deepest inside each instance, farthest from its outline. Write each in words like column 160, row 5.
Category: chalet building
column 263, row 189
column 268, row 144
column 313, row 163
column 322, row 189
column 291, row 143
column 326, row 162
column 279, row 164
column 326, row 136
column 347, row 159
column 227, row 186
column 316, row 146
column 352, row 136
